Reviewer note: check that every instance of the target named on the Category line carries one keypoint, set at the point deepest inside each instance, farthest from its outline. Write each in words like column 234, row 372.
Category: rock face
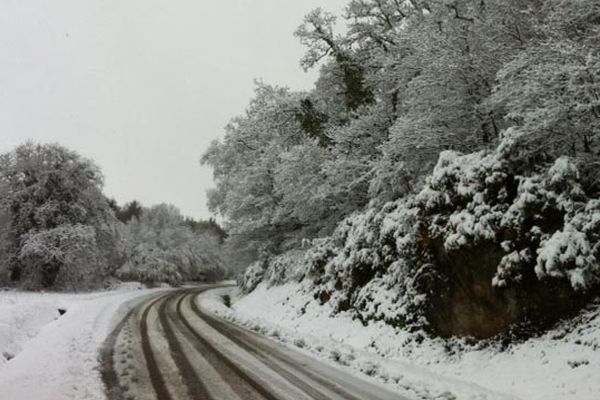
column 465, row 303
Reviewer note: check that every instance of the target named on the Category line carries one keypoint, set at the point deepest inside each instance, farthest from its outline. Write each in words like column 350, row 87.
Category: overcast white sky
column 143, row 86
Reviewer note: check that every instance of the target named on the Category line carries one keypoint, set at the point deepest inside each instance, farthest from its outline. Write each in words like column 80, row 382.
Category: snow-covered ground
column 44, row 355
column 562, row 364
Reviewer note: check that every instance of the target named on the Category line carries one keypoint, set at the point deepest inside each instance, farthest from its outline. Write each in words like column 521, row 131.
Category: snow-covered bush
column 369, row 266
column 274, row 270
column 318, row 255
column 253, row 275
column 574, row 251
column 477, row 198
column 285, row 267
column 150, row 265
column 376, row 271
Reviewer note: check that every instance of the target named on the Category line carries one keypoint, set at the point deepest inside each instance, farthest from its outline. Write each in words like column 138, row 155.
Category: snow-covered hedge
column 395, row 263
column 370, row 265
column 375, row 271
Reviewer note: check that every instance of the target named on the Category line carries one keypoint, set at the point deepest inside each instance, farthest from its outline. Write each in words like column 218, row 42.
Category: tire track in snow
column 216, row 360
column 228, row 369
column 155, row 375
column 292, row 369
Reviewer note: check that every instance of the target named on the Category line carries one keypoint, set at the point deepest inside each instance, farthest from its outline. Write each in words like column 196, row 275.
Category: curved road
column 167, row 348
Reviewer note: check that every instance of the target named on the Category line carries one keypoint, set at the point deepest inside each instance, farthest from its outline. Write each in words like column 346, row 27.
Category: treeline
column 58, row 230
column 444, row 170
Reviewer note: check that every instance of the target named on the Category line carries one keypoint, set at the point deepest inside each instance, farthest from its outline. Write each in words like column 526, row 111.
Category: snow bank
column 562, row 364
column 22, row 315
column 53, row 356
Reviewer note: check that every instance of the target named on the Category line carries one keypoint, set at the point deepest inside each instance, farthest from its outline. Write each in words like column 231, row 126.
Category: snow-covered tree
column 550, row 90
column 56, row 208
column 255, row 166
column 65, row 257
column 317, row 34
column 163, row 248
column 6, row 245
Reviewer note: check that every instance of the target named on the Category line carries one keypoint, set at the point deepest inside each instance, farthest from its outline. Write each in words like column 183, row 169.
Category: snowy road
column 168, row 348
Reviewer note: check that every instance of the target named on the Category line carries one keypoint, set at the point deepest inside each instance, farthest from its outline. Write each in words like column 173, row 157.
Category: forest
column 444, row 171
column 58, row 231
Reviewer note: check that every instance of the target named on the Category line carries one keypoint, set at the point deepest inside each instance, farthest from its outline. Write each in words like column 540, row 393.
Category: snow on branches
column 542, row 220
